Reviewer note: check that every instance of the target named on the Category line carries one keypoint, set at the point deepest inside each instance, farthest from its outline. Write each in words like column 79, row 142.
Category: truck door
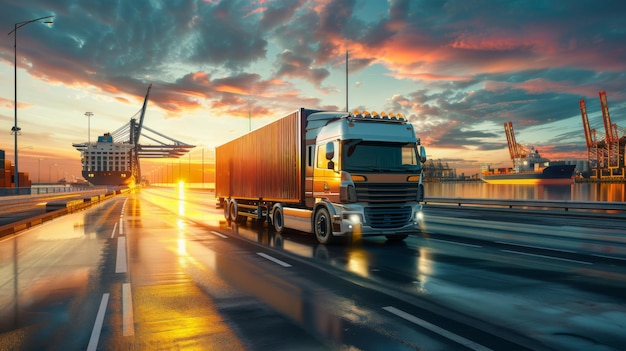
column 326, row 176
column 309, row 198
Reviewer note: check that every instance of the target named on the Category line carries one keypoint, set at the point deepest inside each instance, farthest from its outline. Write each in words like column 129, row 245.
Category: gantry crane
column 606, row 156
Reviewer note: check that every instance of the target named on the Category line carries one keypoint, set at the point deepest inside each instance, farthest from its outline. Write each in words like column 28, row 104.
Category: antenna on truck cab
column 347, row 109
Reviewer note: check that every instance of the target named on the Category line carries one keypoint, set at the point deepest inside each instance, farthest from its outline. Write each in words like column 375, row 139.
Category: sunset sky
column 457, row 69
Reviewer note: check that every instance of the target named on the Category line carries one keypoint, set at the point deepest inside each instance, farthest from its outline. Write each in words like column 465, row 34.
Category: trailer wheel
column 278, row 219
column 233, row 210
column 323, row 227
column 226, row 209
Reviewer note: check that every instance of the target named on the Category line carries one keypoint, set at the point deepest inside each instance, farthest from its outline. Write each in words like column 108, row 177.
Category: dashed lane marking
column 548, row 257
column 454, row 242
column 113, row 231
column 273, row 259
column 120, row 262
column 97, row 327
column 436, row 329
column 219, row 234
column 128, row 324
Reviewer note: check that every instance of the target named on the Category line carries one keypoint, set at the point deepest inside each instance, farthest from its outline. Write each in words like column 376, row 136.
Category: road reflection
column 371, row 258
column 407, row 264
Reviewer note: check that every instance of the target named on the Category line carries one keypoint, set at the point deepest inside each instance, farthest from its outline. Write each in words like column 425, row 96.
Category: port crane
column 516, row 150
column 605, row 156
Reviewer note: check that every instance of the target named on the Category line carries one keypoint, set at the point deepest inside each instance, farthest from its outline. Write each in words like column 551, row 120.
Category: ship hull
column 551, row 175
column 108, row 178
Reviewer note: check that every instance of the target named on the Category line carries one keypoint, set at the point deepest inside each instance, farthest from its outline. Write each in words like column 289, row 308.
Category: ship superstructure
column 107, row 162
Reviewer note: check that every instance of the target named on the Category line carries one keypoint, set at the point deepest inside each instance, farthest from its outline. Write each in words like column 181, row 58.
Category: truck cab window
column 379, row 156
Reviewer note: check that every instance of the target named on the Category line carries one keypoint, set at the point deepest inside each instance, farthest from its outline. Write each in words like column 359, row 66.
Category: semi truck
column 333, row 174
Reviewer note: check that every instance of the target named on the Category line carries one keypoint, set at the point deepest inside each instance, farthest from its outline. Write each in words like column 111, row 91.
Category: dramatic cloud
column 458, row 69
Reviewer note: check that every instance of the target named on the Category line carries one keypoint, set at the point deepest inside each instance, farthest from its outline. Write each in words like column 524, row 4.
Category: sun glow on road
column 181, row 198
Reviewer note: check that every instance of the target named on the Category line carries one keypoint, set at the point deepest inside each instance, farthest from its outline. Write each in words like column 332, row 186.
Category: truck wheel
column 323, row 227
column 278, row 220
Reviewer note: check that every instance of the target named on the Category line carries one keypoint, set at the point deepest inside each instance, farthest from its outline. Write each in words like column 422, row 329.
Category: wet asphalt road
column 160, row 269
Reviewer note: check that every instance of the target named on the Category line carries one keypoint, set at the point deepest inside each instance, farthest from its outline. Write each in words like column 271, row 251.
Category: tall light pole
column 39, row 170
column 16, row 129
column 88, row 114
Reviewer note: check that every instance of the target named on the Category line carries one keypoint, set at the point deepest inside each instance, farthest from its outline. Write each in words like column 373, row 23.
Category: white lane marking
column 113, row 232
column 128, row 323
column 122, row 225
column 120, row 262
column 273, row 259
column 535, row 247
column 454, row 242
column 610, row 257
column 219, row 234
column 97, row 327
column 544, row 256
column 436, row 329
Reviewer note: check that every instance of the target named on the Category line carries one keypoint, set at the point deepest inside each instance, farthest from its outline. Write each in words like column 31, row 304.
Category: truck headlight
column 419, row 216
column 355, row 218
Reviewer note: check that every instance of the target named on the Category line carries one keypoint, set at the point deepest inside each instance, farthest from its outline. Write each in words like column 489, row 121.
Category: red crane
column 594, row 154
column 586, row 127
column 611, row 139
column 516, row 150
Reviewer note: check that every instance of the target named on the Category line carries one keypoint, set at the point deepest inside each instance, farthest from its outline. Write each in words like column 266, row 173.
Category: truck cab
column 366, row 173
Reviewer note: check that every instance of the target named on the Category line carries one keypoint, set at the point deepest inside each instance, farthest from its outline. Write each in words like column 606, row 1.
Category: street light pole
column 15, row 128
column 88, row 114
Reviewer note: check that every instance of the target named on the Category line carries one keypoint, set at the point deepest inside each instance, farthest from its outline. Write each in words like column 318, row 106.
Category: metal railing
column 52, row 189
column 564, row 205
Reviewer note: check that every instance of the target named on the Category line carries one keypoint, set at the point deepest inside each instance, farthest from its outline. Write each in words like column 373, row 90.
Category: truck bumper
column 358, row 220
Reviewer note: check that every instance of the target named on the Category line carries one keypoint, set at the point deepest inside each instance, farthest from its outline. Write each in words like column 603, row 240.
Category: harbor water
column 614, row 192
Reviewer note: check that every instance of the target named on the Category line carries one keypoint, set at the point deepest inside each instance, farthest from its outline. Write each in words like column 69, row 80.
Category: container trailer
column 333, row 174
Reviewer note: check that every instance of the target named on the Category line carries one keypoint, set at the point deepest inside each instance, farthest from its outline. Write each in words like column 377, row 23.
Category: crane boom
column 606, row 117
column 510, row 138
column 586, row 127
column 137, row 132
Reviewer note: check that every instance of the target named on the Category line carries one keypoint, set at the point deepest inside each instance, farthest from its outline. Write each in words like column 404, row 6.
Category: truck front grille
column 387, row 217
column 382, row 193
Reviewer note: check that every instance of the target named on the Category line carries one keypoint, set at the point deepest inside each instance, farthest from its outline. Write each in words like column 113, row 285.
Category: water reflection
column 574, row 192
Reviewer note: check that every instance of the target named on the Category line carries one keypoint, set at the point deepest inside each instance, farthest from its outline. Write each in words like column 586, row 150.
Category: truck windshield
column 379, row 157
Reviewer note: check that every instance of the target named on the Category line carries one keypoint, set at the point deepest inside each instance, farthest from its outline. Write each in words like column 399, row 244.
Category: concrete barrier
column 67, row 204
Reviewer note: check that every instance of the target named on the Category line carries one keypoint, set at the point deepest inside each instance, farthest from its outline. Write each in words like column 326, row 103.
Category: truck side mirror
column 330, row 151
column 422, row 154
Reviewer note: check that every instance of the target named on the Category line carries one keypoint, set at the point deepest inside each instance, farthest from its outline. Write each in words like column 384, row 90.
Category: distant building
column 438, row 171
column 7, row 175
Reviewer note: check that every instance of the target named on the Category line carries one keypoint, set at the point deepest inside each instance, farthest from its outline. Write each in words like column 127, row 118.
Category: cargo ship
column 532, row 169
column 106, row 162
